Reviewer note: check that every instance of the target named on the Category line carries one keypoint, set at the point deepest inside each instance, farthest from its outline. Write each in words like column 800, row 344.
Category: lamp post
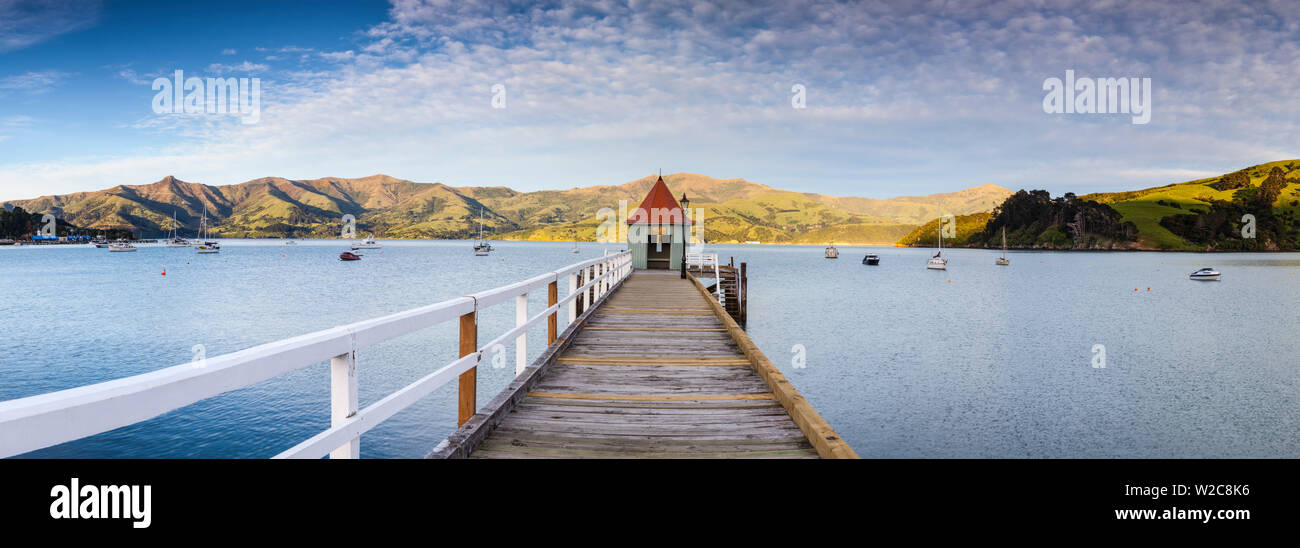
column 685, row 205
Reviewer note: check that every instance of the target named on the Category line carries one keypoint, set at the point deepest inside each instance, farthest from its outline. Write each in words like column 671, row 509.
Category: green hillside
column 736, row 210
column 1200, row 215
column 1154, row 210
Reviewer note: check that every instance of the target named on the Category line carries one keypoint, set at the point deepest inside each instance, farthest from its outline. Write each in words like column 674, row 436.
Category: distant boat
column 174, row 239
column 871, row 259
column 349, row 256
column 482, row 248
column 831, row 252
column 120, row 247
column 206, row 246
column 937, row 262
column 290, row 242
column 1207, row 273
column 1003, row 260
column 368, row 243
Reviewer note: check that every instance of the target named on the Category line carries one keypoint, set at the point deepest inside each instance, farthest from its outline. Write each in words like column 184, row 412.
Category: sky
column 899, row 98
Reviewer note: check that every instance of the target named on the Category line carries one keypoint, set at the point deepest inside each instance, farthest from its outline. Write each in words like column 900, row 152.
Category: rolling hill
column 736, row 210
column 1200, row 215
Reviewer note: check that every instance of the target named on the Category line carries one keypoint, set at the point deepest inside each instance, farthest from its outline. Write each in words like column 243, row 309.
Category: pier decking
column 653, row 371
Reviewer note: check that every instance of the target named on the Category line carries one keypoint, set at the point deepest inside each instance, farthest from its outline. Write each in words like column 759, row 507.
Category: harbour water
column 976, row 361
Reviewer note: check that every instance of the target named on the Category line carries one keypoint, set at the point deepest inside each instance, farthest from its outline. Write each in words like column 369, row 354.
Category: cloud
column 603, row 92
column 27, row 22
column 242, row 67
column 129, row 74
column 228, row 51
column 33, row 82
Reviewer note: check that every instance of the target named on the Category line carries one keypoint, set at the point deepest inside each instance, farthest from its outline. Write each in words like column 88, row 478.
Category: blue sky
column 903, row 98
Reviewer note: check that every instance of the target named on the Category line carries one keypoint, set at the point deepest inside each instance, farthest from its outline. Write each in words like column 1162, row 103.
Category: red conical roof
column 661, row 199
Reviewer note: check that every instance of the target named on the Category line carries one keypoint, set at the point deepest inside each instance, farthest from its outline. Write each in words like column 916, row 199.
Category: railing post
column 468, row 381
column 343, row 400
column 573, row 304
column 552, row 321
column 521, row 343
column 586, row 293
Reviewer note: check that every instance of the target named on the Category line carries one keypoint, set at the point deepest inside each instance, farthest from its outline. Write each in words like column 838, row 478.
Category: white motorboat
column 120, row 247
column 832, row 252
column 1206, row 273
column 368, row 243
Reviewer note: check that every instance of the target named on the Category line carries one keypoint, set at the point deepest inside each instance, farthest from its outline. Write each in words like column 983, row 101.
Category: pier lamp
column 685, row 205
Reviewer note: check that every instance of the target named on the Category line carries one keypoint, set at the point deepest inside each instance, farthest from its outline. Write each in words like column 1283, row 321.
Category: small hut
column 657, row 229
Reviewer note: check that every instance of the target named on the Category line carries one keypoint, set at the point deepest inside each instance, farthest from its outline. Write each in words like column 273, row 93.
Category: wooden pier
column 658, row 369
column 649, row 365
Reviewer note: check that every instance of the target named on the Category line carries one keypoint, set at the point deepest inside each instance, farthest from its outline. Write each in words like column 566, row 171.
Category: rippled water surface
column 977, row 361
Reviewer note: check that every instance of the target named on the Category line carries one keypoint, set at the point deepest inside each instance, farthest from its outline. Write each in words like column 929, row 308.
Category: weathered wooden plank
column 656, row 397
column 828, row 443
column 642, row 378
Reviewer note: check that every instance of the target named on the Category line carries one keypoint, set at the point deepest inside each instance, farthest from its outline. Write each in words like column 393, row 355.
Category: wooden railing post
column 552, row 321
column 468, row 381
column 521, row 343
column 573, row 304
column 343, row 400
column 586, row 293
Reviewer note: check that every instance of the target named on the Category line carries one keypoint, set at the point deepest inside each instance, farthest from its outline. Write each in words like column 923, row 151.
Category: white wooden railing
column 705, row 260
column 35, row 422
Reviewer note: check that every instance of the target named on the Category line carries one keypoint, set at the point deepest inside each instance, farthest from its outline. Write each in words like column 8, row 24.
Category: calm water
column 978, row 361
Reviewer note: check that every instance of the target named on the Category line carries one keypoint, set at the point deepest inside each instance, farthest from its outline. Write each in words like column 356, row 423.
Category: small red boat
column 349, row 256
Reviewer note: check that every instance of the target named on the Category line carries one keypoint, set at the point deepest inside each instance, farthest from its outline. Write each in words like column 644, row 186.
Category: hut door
column 658, row 256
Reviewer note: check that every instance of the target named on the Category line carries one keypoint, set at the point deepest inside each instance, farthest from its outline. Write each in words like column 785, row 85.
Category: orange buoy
column 164, row 272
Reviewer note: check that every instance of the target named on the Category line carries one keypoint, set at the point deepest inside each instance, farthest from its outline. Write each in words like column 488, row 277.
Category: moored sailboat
column 206, row 246
column 1003, row 260
column 482, row 248
column 937, row 262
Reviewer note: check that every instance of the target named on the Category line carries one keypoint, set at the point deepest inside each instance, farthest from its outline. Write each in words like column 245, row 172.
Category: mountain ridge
column 736, row 209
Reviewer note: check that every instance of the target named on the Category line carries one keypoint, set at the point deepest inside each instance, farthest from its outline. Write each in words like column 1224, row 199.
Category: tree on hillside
column 1234, row 180
column 1034, row 213
column 1271, row 188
